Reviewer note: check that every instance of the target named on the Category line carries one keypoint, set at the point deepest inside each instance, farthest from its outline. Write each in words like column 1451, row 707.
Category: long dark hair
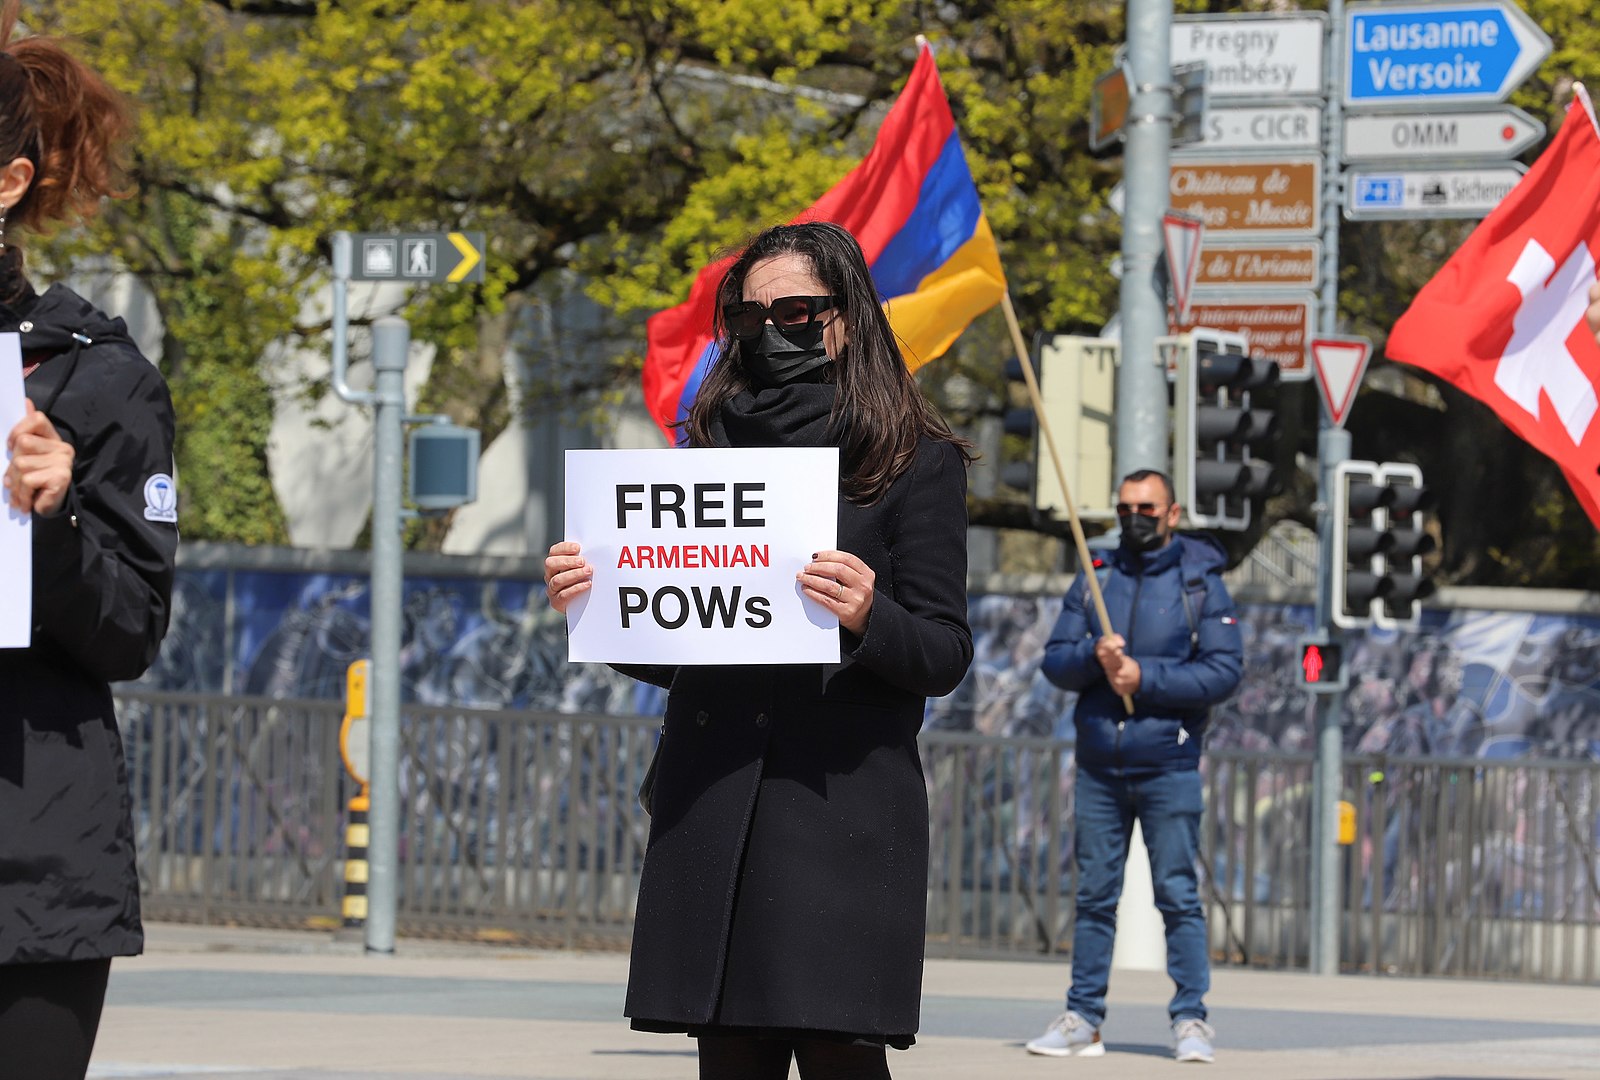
column 62, row 116
column 880, row 412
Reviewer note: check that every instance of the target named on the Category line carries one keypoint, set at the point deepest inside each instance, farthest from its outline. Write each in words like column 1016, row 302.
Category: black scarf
column 795, row 414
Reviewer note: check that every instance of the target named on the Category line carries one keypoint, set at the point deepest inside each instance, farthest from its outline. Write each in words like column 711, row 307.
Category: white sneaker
column 1069, row 1035
column 1192, row 1041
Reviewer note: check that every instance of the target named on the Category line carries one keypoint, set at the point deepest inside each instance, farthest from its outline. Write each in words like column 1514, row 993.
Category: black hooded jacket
column 102, row 589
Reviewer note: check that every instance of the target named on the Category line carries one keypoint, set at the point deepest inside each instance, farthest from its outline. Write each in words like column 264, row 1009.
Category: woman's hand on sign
column 566, row 575
column 841, row 583
column 40, row 472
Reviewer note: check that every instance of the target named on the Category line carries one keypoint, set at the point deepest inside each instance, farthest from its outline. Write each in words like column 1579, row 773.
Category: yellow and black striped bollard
column 355, row 863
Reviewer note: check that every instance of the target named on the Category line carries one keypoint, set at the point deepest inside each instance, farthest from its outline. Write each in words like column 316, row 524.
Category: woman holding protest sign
column 89, row 467
column 781, row 905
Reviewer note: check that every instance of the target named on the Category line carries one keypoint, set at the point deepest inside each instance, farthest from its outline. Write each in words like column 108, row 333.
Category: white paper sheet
column 16, row 530
column 695, row 553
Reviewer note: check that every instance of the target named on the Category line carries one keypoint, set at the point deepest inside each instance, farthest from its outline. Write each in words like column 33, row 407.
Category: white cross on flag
column 1503, row 320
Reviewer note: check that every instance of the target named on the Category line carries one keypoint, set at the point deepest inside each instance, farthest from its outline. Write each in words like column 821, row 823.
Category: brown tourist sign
column 1295, row 265
column 1242, row 198
column 1278, row 325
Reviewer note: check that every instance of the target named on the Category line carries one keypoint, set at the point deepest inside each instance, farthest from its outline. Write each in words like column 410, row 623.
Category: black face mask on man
column 776, row 358
column 1141, row 533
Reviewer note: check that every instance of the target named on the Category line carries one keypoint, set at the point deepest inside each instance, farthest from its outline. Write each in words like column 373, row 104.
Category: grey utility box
column 443, row 471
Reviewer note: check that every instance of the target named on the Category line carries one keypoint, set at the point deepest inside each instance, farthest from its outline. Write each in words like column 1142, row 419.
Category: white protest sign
column 16, row 531
column 695, row 553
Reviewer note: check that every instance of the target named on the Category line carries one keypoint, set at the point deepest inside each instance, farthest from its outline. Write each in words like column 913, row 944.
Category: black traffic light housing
column 1408, row 541
column 1379, row 539
column 1018, row 473
column 1077, row 390
column 1223, row 428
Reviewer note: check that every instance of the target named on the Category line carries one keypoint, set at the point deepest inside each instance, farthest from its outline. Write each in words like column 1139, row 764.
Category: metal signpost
column 1429, row 138
column 403, row 258
column 1141, row 433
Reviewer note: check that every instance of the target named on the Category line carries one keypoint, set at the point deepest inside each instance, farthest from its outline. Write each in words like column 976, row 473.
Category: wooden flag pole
column 1084, row 558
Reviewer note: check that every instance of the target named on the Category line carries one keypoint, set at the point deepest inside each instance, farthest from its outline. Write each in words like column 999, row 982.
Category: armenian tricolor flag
column 914, row 208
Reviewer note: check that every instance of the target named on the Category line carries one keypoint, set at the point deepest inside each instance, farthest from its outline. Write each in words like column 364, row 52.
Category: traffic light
column 1409, row 541
column 1379, row 538
column 1358, row 533
column 1017, row 421
column 1077, row 386
column 1223, row 429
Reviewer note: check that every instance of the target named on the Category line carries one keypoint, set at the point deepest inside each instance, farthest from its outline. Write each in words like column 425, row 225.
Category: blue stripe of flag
column 945, row 217
column 691, row 389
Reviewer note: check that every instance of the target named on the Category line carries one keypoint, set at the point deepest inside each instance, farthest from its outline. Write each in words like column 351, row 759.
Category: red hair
column 60, row 114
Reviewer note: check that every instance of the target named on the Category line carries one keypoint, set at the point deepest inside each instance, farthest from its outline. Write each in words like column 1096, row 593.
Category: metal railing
column 524, row 826
column 1285, row 557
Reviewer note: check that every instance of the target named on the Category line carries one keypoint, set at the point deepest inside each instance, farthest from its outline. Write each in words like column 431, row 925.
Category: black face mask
column 773, row 359
column 1140, row 533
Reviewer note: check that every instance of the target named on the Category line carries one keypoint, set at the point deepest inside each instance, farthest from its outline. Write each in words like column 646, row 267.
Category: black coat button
column 701, row 717
column 761, row 719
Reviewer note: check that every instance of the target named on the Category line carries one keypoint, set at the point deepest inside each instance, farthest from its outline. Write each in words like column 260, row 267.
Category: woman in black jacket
column 91, row 462
column 781, row 904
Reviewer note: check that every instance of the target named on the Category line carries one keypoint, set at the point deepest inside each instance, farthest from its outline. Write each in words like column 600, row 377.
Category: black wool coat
column 784, row 886
column 102, row 588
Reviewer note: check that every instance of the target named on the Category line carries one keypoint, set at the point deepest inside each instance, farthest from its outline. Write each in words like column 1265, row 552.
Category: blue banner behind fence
column 1468, row 682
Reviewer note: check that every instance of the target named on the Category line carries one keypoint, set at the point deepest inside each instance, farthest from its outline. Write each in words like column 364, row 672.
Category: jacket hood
column 61, row 319
column 1199, row 551
column 1203, row 552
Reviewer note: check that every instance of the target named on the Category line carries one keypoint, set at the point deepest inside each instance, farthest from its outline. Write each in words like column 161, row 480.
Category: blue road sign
column 1379, row 192
column 1399, row 54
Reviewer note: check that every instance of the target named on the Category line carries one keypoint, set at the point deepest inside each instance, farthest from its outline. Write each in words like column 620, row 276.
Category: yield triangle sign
column 1339, row 363
column 1182, row 235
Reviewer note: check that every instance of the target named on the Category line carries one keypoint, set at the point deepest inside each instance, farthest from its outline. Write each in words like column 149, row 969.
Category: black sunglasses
column 790, row 314
column 1147, row 509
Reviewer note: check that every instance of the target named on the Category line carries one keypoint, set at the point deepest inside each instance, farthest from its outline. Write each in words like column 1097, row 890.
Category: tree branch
column 301, row 9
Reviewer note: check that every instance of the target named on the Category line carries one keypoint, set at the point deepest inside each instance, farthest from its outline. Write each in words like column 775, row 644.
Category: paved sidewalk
column 268, row 1005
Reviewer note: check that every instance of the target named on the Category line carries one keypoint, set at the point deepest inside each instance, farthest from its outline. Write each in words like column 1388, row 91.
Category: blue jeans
column 1168, row 807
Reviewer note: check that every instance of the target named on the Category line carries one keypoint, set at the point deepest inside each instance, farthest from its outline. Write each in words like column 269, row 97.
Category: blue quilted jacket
column 1178, row 619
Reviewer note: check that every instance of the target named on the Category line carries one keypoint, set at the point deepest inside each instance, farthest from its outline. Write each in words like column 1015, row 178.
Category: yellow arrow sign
column 470, row 257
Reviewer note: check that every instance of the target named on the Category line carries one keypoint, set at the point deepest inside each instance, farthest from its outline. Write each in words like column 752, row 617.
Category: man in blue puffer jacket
column 1178, row 652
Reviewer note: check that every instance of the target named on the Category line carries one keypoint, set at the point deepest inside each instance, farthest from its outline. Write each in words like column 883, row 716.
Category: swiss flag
column 1503, row 319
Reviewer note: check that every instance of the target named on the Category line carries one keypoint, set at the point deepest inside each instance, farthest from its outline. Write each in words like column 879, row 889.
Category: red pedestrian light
column 1320, row 662
column 1311, row 663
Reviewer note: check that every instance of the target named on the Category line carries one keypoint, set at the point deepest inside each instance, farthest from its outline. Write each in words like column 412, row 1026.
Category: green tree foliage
column 625, row 143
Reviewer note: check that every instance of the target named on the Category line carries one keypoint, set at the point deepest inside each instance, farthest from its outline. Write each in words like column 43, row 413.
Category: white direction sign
column 1428, row 193
column 1338, row 363
column 1401, row 54
column 1253, row 55
column 1480, row 133
column 1261, row 127
column 1182, row 235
